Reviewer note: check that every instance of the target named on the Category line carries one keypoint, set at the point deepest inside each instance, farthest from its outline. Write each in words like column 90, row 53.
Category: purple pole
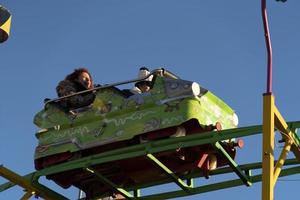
column 268, row 44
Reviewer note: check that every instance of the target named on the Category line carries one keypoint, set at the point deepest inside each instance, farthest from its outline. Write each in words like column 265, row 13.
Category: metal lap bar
column 245, row 178
column 30, row 187
column 171, row 174
column 113, row 186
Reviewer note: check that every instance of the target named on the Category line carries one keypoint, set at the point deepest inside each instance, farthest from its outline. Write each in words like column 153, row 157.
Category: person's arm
column 65, row 88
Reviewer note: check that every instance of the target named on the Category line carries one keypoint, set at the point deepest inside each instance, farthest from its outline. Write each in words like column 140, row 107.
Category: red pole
column 268, row 44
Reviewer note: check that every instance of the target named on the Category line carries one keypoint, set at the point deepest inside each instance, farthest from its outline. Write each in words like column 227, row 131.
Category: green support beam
column 169, row 173
column 147, row 149
column 225, row 170
column 137, row 193
column 152, row 147
column 296, row 146
column 215, row 186
column 113, row 186
column 190, row 182
column 245, row 178
column 156, row 147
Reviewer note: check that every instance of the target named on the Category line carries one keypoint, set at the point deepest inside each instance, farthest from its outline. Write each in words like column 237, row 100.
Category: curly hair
column 75, row 75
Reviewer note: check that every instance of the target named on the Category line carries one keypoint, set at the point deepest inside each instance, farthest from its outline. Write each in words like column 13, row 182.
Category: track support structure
column 273, row 120
column 31, row 187
column 185, row 182
column 243, row 176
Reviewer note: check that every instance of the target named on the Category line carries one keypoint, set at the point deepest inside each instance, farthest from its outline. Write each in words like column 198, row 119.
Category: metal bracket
column 113, row 186
column 244, row 177
column 171, row 174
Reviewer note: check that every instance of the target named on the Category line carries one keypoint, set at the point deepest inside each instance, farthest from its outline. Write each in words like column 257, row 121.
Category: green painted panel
column 114, row 117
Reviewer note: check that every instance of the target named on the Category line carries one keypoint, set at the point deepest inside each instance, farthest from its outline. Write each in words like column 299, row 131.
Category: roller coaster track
column 186, row 183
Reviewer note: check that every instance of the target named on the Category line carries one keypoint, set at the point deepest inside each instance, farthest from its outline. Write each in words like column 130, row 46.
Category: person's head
column 83, row 76
column 144, row 85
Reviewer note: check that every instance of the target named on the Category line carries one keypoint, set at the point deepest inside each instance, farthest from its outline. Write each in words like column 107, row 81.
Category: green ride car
column 172, row 108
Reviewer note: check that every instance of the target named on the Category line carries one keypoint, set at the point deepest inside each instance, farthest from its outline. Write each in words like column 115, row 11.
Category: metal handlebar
column 154, row 72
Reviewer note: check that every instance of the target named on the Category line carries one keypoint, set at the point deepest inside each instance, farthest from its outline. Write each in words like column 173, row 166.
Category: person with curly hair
column 77, row 81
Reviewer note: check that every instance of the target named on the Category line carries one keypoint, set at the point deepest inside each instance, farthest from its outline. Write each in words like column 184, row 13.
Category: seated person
column 144, row 85
column 77, row 81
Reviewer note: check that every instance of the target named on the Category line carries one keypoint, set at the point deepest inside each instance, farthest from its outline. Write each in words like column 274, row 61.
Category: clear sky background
column 219, row 44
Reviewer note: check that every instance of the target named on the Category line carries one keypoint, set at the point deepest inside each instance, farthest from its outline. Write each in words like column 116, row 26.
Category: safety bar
column 161, row 72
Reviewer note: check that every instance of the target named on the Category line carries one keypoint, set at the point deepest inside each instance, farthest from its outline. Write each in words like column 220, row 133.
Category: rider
column 144, row 85
column 77, row 81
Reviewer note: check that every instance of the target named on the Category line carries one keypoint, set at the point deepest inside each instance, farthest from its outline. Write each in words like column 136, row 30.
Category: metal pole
column 268, row 44
column 268, row 148
column 268, row 119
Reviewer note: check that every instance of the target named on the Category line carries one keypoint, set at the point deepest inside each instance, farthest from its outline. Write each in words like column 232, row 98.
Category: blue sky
column 219, row 44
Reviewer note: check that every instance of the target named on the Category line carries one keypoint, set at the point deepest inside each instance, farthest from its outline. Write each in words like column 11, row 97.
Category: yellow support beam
column 296, row 150
column 27, row 196
column 33, row 188
column 15, row 178
column 272, row 119
column 282, row 126
column 268, row 148
column 286, row 149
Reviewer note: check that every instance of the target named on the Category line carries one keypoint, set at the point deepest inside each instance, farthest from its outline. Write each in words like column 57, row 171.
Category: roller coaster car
column 172, row 108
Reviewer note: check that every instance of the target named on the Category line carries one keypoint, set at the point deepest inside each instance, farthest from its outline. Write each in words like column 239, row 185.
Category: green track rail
column 185, row 183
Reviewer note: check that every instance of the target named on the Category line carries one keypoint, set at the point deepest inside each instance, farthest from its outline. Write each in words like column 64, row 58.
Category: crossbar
column 33, row 187
column 169, row 173
column 232, row 164
column 106, row 181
